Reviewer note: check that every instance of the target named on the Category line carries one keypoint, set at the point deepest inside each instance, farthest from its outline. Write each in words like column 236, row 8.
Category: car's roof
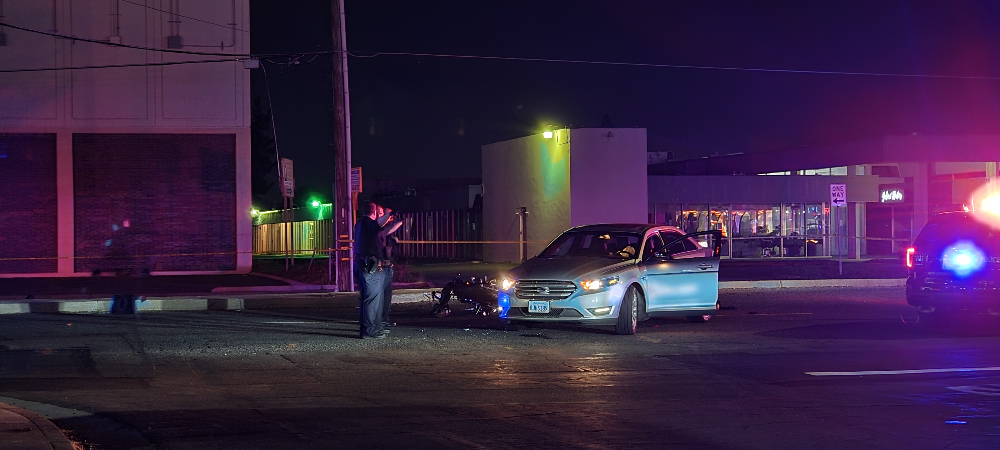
column 619, row 227
column 946, row 228
column 966, row 219
column 952, row 216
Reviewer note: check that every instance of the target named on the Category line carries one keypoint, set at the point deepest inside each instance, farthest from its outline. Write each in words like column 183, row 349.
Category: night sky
column 427, row 117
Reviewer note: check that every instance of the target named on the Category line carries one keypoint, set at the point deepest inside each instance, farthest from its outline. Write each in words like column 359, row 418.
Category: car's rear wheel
column 628, row 316
column 704, row 317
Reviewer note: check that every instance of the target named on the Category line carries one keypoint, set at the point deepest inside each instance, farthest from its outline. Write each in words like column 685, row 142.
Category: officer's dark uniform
column 385, row 247
column 369, row 276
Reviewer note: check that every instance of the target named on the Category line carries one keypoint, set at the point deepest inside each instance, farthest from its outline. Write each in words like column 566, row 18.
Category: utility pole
column 342, row 228
column 522, row 213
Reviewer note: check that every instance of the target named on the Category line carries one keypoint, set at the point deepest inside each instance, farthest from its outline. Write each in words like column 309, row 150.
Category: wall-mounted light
column 547, row 135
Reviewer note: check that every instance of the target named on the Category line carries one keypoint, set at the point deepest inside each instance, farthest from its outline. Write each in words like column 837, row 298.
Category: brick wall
column 28, row 207
column 166, row 202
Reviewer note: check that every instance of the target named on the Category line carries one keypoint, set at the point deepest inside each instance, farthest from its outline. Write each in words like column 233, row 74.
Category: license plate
column 538, row 307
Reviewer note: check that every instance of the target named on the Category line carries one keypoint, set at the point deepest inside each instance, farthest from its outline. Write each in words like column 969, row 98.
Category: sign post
column 838, row 199
column 355, row 190
column 287, row 198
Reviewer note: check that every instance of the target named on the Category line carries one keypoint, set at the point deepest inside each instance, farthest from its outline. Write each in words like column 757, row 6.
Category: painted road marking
column 779, row 314
column 988, row 389
column 290, row 322
column 901, row 372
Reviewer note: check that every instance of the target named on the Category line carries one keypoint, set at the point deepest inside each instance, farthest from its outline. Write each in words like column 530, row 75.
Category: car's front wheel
column 632, row 307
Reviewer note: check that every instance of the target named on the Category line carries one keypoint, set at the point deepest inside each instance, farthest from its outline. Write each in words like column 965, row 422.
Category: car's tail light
column 910, row 253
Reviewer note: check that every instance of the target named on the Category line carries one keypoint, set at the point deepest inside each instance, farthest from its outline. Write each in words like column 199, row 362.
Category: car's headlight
column 506, row 284
column 600, row 283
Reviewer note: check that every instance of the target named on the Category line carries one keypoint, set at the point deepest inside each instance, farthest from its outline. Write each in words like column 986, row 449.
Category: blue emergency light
column 503, row 301
column 964, row 258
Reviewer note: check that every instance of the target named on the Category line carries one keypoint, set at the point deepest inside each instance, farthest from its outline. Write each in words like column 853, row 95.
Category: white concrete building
column 563, row 178
column 141, row 147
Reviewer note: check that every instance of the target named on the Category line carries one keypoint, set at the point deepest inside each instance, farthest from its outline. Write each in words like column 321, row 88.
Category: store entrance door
column 878, row 225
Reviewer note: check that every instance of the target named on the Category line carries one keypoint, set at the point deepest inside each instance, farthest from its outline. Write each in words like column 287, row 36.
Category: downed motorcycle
column 481, row 293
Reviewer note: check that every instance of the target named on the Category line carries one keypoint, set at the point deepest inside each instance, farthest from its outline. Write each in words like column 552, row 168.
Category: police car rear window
column 947, row 230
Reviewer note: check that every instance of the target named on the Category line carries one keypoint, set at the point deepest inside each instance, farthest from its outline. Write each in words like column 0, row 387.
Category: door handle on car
column 705, row 266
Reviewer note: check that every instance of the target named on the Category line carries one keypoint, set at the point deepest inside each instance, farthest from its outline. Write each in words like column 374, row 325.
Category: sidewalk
column 21, row 429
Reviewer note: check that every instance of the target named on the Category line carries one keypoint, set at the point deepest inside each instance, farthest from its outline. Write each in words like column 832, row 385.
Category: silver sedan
column 616, row 274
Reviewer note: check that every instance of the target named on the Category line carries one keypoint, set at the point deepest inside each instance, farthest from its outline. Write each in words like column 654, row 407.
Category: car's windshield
column 618, row 245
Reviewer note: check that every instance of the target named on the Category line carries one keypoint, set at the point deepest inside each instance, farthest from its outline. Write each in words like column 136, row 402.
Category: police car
column 954, row 266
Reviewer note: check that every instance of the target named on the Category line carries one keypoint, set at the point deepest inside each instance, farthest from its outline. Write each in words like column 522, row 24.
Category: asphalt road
column 791, row 369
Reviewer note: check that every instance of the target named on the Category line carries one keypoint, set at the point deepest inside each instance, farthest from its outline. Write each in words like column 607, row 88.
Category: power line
column 163, row 50
column 187, row 17
column 671, row 66
column 274, row 132
column 174, row 63
column 112, row 44
column 110, row 66
column 516, row 58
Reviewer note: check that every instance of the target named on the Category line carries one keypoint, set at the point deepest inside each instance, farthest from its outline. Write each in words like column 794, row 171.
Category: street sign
column 355, row 179
column 838, row 194
column 287, row 178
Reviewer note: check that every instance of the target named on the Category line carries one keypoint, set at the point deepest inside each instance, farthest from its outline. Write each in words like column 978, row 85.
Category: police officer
column 390, row 223
column 369, row 275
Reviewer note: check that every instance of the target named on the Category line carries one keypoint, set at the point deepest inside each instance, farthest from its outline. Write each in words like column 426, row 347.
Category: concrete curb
column 299, row 287
column 298, row 298
column 779, row 284
column 321, row 296
column 276, row 289
column 41, row 434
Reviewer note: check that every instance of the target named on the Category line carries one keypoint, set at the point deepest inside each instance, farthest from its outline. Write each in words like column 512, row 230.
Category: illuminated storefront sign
column 891, row 196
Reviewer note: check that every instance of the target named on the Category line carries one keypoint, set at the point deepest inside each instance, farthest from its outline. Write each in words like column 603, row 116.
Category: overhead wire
column 361, row 54
column 186, row 17
column 161, row 50
column 231, row 57
column 670, row 66
column 112, row 44
column 112, row 66
column 274, row 132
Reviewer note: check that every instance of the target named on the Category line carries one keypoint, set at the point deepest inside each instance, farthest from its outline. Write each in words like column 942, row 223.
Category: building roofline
column 882, row 150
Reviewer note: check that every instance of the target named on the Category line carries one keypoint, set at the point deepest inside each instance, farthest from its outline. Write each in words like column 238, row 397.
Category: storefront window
column 743, row 226
column 768, row 219
column 815, row 217
column 814, row 221
column 693, row 218
column 752, row 230
column 718, row 218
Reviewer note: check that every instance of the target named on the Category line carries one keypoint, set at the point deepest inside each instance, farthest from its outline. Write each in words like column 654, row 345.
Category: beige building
column 124, row 129
column 562, row 178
